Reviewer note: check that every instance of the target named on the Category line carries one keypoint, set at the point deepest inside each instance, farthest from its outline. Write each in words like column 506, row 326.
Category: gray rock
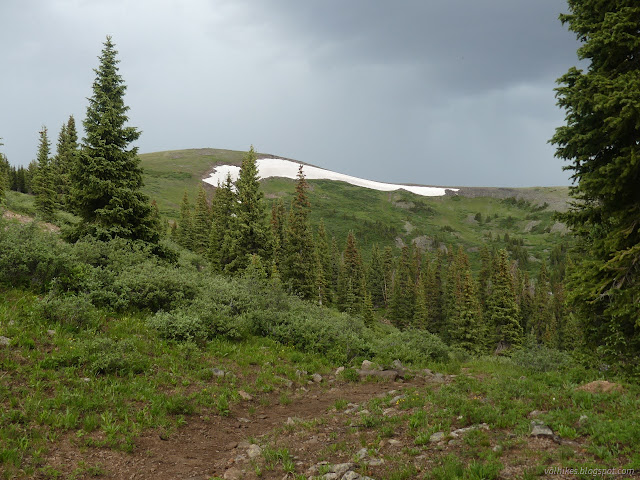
column 254, row 451
column 316, row 377
column 367, row 365
column 233, row 474
column 394, row 442
column 497, row 449
column 341, row 468
column 436, row 437
column 339, row 370
column 351, row 475
column 362, row 453
column 292, row 421
column 582, row 420
column 437, row 378
column 427, row 372
column 535, row 414
column 51, row 333
column 390, row 412
column 375, row 462
column 217, row 372
column 244, row 395
column 539, row 429
column 288, row 383
column 397, row 398
column 390, row 375
column 4, row 341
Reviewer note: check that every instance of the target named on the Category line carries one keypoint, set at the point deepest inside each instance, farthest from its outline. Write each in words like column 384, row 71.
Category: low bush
column 72, row 311
column 540, row 358
column 411, row 346
column 179, row 326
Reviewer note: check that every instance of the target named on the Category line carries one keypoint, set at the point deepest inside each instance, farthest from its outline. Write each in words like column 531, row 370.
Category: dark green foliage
column 43, row 181
column 64, row 161
column 503, row 313
column 376, row 278
column 351, row 280
column 324, row 267
column 107, row 178
column 298, row 270
column 185, row 227
column 72, row 311
column 278, row 231
column 541, row 358
column 403, row 299
column 5, row 174
column 201, row 222
column 251, row 235
column 179, row 326
column 601, row 142
column 223, row 223
column 33, row 259
column 412, row 346
column 466, row 328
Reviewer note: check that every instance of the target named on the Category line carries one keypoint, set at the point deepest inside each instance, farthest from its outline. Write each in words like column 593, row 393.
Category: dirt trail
column 209, row 444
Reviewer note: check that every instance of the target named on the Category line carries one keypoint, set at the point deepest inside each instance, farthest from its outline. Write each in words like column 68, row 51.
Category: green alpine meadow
column 154, row 325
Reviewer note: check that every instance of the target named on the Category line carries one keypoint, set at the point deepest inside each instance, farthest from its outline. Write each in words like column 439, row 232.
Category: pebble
column 436, row 437
column 244, row 395
column 254, row 451
column 316, row 377
column 4, row 341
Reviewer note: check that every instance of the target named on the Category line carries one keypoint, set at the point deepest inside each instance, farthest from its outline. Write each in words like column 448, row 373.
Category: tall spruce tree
column 107, row 178
column 251, row 233
column 278, row 231
column 351, row 280
column 502, row 309
column 375, row 277
column 601, row 142
column 466, row 328
column 185, row 227
column 43, row 182
column 201, row 222
column 299, row 258
column 403, row 299
column 64, row 161
column 324, row 274
column 4, row 174
column 223, row 206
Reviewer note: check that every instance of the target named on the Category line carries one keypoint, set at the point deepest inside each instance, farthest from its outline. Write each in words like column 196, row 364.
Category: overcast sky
column 437, row 92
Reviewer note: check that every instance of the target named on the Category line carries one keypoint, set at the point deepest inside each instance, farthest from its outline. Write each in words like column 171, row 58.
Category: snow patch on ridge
column 277, row 167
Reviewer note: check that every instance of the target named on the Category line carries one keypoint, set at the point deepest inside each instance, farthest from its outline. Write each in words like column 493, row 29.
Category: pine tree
column 299, row 256
column 157, row 222
column 107, row 178
column 434, row 297
column 251, row 233
column 325, row 264
column 542, row 314
column 421, row 313
column 351, row 281
column 223, row 207
column 601, row 142
column 403, row 299
column 376, row 277
column 43, row 186
column 4, row 174
column 466, row 327
column 278, row 230
column 387, row 265
column 201, row 222
column 185, row 226
column 502, row 309
column 64, row 161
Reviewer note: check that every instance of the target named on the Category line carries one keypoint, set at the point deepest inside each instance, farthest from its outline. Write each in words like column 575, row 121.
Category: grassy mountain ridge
column 474, row 216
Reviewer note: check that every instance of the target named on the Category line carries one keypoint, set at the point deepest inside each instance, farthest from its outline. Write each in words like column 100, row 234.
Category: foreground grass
column 104, row 387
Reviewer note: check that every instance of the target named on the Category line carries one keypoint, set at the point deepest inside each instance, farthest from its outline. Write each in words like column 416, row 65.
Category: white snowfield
column 277, row 167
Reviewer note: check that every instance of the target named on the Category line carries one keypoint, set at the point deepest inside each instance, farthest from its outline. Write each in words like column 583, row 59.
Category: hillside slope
column 475, row 216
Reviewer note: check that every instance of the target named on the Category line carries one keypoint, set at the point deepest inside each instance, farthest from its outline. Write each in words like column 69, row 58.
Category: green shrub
column 411, row 346
column 179, row 326
column 103, row 355
column 73, row 311
column 540, row 358
column 31, row 258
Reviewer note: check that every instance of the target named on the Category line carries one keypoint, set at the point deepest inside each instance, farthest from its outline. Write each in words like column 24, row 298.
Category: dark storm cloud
column 461, row 45
column 449, row 92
